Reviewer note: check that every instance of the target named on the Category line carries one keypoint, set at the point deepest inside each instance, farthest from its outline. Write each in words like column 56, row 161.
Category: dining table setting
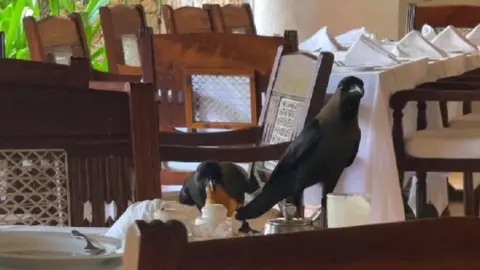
column 369, row 187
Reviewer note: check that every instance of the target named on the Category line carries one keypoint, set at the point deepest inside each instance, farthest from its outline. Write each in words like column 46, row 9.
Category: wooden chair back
column 186, row 20
column 237, row 19
column 463, row 17
column 295, row 95
column 121, row 26
column 165, row 56
column 432, row 244
column 56, row 38
column 42, row 73
column 69, row 150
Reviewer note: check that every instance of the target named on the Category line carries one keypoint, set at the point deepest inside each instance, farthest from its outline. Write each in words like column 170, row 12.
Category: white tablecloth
column 374, row 171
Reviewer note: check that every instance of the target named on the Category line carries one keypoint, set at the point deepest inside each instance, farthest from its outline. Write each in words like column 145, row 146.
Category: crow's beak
column 212, row 183
column 356, row 89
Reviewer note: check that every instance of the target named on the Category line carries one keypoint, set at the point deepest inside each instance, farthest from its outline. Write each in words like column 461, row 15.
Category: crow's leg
column 245, row 228
column 298, row 202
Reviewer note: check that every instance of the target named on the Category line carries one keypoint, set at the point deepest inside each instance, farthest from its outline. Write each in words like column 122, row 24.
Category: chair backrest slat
column 186, row 20
column 121, row 26
column 237, row 19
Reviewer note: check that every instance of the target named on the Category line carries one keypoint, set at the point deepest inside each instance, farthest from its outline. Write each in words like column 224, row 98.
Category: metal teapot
column 290, row 224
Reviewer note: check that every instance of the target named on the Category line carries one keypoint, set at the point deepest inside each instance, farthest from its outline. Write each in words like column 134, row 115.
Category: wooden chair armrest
column 129, row 70
column 399, row 99
column 237, row 154
column 451, row 85
column 106, row 76
column 235, row 137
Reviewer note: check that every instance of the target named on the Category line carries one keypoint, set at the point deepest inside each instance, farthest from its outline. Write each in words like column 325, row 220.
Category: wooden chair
column 443, row 245
column 186, row 20
column 441, row 160
column 56, row 39
column 165, row 56
column 121, row 28
column 237, row 19
column 66, row 150
column 298, row 81
column 463, row 17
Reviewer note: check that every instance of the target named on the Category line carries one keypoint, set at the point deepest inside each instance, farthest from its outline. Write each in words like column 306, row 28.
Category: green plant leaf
column 54, row 7
column 16, row 18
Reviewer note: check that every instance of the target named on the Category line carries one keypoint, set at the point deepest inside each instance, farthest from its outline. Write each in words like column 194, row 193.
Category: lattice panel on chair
column 130, row 50
column 221, row 99
column 33, row 187
column 284, row 127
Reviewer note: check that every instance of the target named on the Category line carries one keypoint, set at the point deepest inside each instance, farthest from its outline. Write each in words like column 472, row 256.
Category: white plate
column 55, row 250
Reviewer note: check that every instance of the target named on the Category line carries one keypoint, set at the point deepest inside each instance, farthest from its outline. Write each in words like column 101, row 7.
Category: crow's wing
column 279, row 186
column 185, row 196
column 301, row 148
column 354, row 152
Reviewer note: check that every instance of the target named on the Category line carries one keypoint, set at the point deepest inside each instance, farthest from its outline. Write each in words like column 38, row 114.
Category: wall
column 386, row 18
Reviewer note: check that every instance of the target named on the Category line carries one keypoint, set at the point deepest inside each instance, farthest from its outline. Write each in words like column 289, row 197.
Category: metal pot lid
column 288, row 223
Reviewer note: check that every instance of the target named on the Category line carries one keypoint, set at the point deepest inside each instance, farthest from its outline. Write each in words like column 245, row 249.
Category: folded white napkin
column 145, row 210
column 428, row 32
column 414, row 45
column 349, row 37
column 321, row 40
column 452, row 40
column 366, row 52
column 474, row 35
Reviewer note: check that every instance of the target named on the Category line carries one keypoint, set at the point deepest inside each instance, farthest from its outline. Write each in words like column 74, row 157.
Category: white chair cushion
column 444, row 143
column 471, row 120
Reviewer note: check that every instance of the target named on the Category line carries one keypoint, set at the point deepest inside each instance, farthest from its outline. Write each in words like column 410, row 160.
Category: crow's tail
column 272, row 193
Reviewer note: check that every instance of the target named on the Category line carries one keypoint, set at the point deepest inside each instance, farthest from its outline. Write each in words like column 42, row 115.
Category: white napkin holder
column 345, row 210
